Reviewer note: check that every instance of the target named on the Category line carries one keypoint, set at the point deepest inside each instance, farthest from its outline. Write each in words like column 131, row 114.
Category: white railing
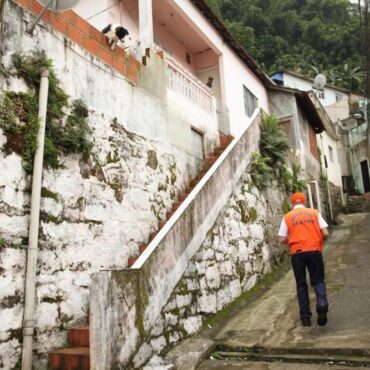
column 184, row 83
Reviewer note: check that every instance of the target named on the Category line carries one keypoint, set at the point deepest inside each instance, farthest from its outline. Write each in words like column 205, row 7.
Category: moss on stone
column 46, row 193
column 11, row 300
column 113, row 157
column 285, row 206
column 252, row 214
column 162, row 186
column 54, row 299
column 152, row 160
column 47, row 218
column 242, row 210
column 172, row 168
column 2, row 243
column 116, row 185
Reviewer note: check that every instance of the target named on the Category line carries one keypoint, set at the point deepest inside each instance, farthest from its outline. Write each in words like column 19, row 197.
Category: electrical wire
column 102, row 11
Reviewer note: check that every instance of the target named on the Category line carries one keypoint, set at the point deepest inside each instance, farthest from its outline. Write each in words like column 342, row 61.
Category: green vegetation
column 270, row 162
column 261, row 172
column 307, row 36
column 19, row 115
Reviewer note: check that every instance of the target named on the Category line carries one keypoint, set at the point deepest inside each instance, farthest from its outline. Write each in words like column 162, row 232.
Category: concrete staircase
column 77, row 355
column 358, row 203
column 225, row 140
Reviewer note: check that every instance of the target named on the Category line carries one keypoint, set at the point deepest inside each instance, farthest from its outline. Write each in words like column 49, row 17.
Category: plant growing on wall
column 274, row 143
column 261, row 171
column 19, row 115
column 270, row 162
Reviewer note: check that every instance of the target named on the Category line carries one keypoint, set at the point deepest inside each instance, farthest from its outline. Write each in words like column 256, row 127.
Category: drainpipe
column 308, row 186
column 29, row 308
column 317, row 189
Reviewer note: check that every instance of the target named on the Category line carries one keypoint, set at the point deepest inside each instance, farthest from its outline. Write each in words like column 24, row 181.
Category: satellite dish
column 319, row 82
column 53, row 5
column 59, row 5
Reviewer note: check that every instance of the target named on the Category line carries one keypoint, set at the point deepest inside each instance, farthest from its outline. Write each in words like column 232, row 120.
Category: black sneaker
column 306, row 321
column 322, row 317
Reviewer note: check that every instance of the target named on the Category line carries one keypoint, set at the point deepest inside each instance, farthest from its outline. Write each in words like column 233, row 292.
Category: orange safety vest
column 304, row 233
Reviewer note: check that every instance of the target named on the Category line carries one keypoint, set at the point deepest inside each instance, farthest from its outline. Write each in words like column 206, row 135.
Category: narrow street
column 267, row 334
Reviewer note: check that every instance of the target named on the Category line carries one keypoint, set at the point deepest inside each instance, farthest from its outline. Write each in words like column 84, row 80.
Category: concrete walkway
column 272, row 322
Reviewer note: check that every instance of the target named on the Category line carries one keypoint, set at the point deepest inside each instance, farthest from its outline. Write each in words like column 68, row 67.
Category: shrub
column 273, row 143
column 261, row 172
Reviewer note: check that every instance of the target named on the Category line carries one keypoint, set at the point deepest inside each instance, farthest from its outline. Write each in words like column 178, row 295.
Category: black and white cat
column 115, row 33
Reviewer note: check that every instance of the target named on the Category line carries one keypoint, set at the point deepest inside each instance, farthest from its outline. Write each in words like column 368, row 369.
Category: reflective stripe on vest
column 304, row 233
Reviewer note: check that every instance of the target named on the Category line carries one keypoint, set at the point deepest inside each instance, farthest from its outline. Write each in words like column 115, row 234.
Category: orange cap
column 297, row 198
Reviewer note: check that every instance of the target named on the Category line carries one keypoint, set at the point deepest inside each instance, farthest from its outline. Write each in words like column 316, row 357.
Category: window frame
column 250, row 101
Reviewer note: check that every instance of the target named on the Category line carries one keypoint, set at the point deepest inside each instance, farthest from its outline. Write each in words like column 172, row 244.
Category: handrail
column 186, row 84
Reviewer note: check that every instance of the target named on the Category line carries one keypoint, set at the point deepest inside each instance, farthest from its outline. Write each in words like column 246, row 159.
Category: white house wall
column 234, row 73
column 299, row 83
column 334, row 171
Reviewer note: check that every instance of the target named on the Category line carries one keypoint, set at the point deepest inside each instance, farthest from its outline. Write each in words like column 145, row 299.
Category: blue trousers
column 313, row 262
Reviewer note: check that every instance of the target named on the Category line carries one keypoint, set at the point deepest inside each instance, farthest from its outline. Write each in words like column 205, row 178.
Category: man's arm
column 324, row 232
column 283, row 232
column 283, row 239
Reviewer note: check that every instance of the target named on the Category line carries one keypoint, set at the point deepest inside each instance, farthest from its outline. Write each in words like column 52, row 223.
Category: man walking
column 304, row 230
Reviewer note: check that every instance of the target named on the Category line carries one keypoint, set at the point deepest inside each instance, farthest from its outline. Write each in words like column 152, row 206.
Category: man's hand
column 324, row 232
column 283, row 239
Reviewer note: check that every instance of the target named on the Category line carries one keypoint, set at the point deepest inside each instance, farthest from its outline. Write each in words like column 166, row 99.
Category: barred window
column 250, row 102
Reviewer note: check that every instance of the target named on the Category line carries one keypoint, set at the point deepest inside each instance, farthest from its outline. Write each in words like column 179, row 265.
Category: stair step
column 170, row 214
column 142, row 248
column 132, row 260
column 226, row 140
column 188, row 190
column 153, row 235
column 210, row 161
column 201, row 174
column 79, row 337
column 176, row 206
column 73, row 358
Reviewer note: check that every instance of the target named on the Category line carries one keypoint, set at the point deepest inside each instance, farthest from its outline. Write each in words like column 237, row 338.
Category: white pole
column 145, row 25
column 329, row 198
column 309, row 195
column 29, row 308
column 317, row 189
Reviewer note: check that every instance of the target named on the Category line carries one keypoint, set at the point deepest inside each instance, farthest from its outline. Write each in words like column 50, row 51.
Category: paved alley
column 269, row 330
column 271, row 325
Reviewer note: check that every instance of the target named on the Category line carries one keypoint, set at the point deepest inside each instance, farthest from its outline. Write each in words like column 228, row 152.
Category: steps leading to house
column 225, row 140
column 75, row 357
column 358, row 203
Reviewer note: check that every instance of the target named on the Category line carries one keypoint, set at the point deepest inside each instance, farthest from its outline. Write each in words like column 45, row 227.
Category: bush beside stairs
column 77, row 355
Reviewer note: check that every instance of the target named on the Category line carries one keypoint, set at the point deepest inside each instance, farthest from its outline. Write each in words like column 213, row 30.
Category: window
column 198, row 144
column 331, row 154
column 338, row 97
column 250, row 102
column 320, row 94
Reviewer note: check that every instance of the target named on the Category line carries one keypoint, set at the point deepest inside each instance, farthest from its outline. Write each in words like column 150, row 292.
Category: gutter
column 31, row 268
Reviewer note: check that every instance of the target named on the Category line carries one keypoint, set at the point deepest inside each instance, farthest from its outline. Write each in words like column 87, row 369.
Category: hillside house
column 303, row 124
column 345, row 162
column 204, row 63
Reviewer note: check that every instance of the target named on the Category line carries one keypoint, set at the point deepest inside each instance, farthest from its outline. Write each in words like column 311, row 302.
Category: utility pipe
column 317, row 189
column 29, row 308
column 309, row 195
column 329, row 199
